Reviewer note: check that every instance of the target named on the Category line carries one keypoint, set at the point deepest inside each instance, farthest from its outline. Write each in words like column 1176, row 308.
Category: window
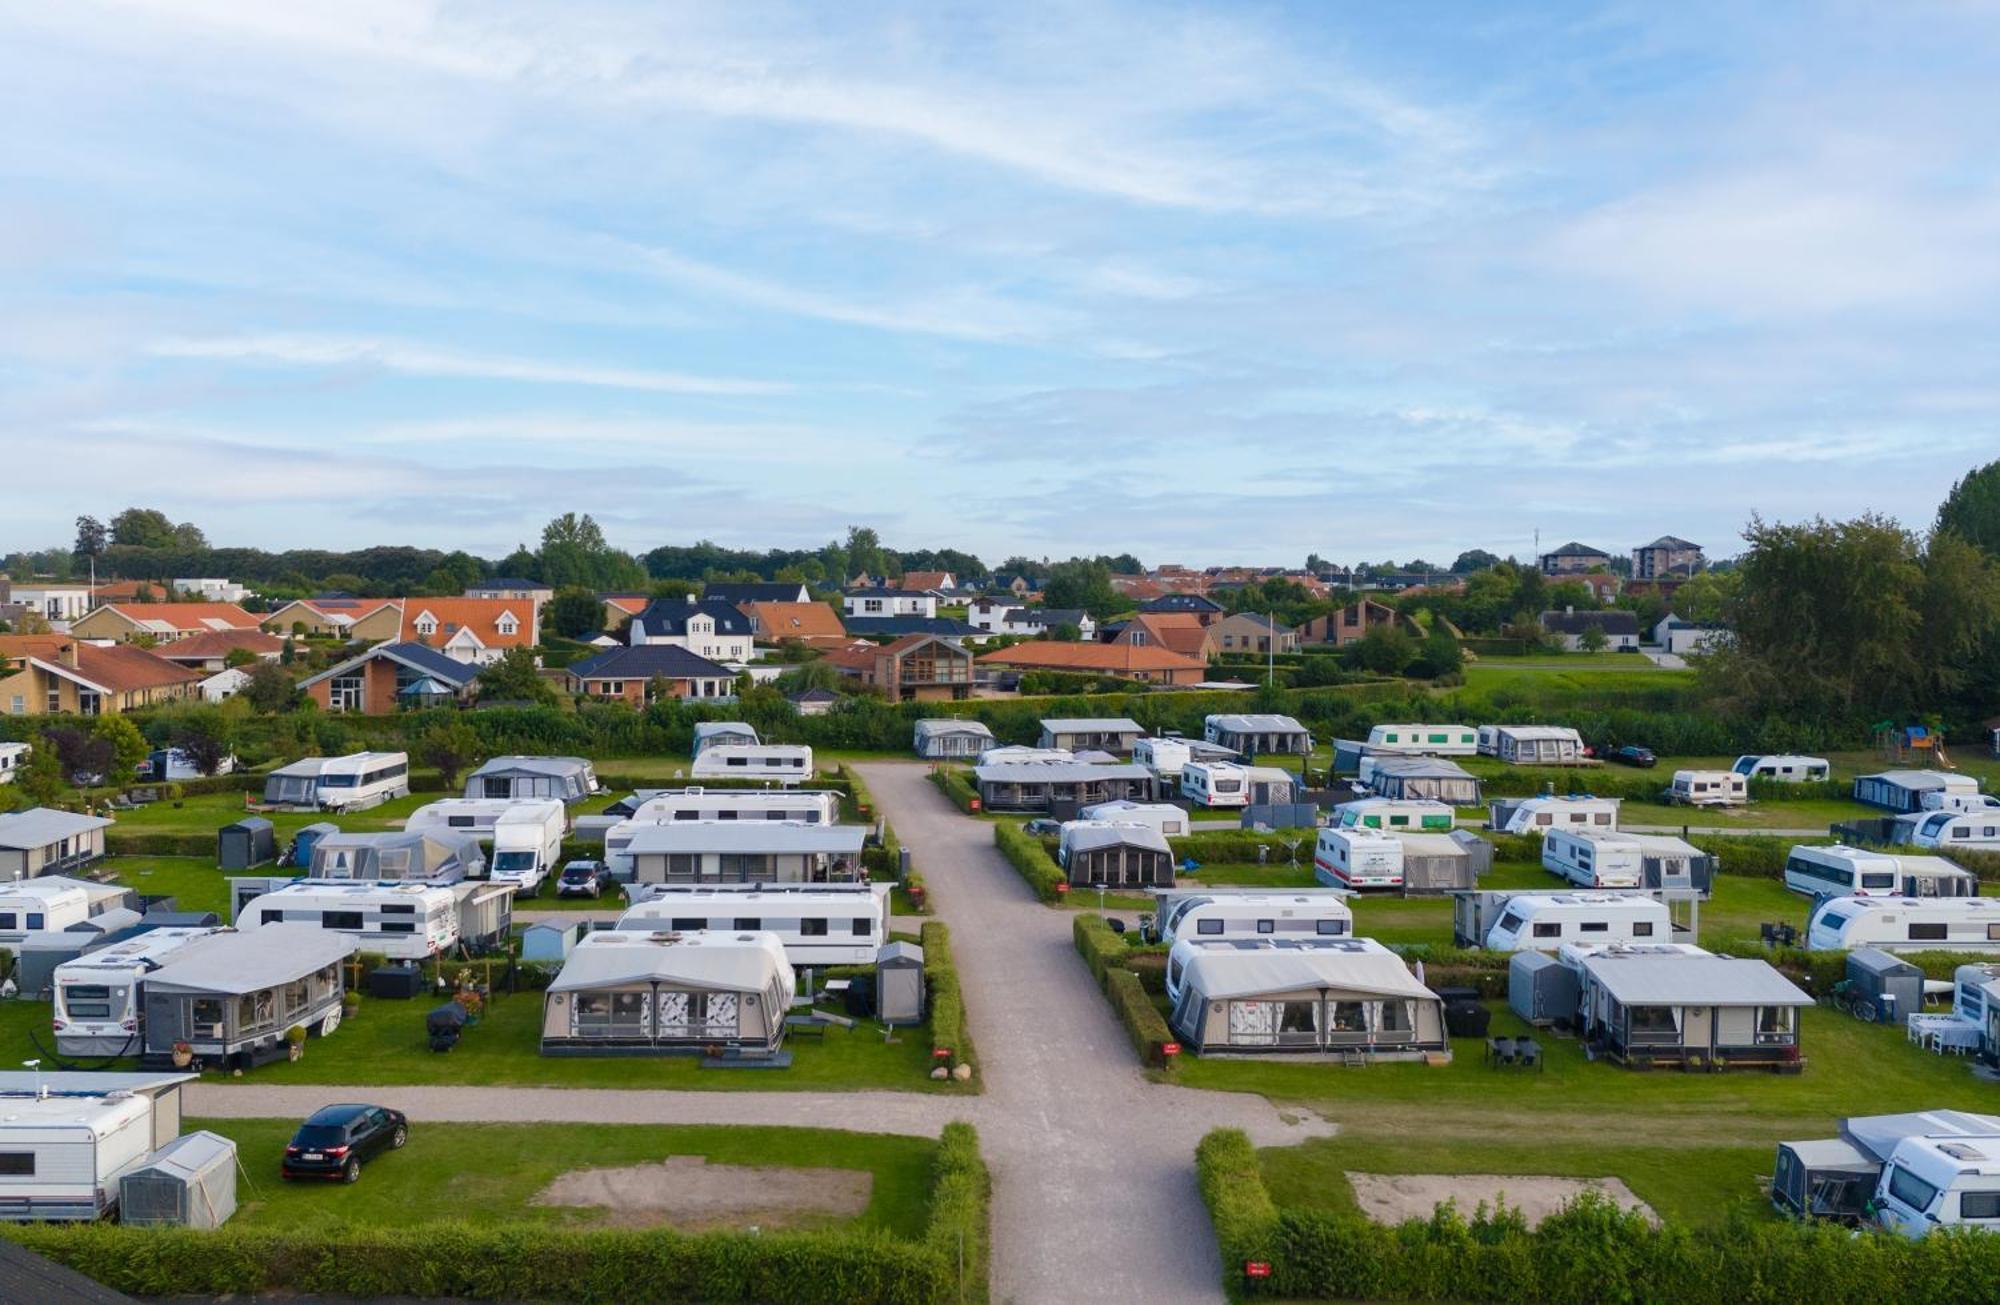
column 688, row 924
column 1510, row 922
column 1971, row 1205
column 862, row 928
column 36, row 920
column 1654, row 1023
column 1548, row 929
column 1774, row 1024
column 1330, row 928
column 340, row 920
column 1642, row 929
column 1993, row 933
column 749, row 923
column 55, row 701
column 272, row 917
column 1878, row 881
column 1213, row 927
column 1594, row 926
column 1926, row 932
column 1267, row 926
column 399, row 926
column 812, row 928
column 1910, row 1189
column 17, row 1164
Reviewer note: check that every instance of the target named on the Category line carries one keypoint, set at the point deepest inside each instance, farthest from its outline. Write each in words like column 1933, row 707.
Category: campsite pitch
column 1394, row 1198
column 687, row 1192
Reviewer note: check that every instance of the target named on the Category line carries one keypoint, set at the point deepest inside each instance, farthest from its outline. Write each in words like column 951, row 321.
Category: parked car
column 1633, row 755
column 1042, row 825
column 336, row 1139
column 584, row 879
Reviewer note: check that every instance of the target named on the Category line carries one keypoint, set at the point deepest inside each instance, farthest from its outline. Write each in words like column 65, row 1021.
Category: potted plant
column 183, row 1055
column 295, row 1041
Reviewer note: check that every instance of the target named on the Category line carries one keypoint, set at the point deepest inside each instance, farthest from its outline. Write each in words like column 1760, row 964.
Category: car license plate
column 312, row 1155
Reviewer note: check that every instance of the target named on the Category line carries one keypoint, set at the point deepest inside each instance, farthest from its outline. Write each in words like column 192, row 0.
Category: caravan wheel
column 330, row 1023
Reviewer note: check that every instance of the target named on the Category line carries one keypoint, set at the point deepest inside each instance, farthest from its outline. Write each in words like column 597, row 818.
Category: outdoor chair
column 1529, row 1052
column 1499, row 1051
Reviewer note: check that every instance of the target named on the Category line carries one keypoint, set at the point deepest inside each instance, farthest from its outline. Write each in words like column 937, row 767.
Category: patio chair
column 1529, row 1052
column 1499, row 1051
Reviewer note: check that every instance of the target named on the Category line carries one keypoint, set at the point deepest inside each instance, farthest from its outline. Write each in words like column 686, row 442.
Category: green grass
column 206, row 813
column 194, row 882
column 487, row 1173
column 1568, row 661
column 1812, row 813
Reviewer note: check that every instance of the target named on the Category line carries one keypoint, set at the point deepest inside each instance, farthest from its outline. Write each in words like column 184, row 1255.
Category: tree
column 1474, row 559
column 188, row 537
column 142, row 528
column 40, row 777
column 1706, row 598
column 82, row 756
column 574, row 612
column 864, row 553
column 818, row 674
column 1386, row 649
column 1593, row 639
column 1972, row 509
column 239, row 657
column 270, row 688
column 126, row 745
column 1082, row 584
column 203, row 736
column 1571, row 593
column 1442, row 654
column 91, row 537
column 674, row 591
column 452, row 746
column 514, row 678
column 290, row 652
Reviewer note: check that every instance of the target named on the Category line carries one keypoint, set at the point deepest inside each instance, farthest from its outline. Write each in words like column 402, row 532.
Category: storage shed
column 1541, row 989
column 549, row 940
column 899, row 984
column 1891, row 987
column 247, row 844
column 189, row 1183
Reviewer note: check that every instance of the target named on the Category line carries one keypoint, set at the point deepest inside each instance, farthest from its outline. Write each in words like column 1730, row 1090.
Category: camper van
column 68, row 1147
column 1358, row 858
column 1394, row 815
column 1940, row 1182
column 1250, row 913
column 1906, row 924
column 1539, row 815
column 1544, row 922
column 99, row 1001
column 401, row 921
column 1425, row 740
column 666, row 805
column 1839, row 871
column 1709, row 788
column 526, row 833
column 363, row 780
column 780, row 763
column 1216, row 783
column 1978, row 830
column 49, row 903
column 835, row 927
column 1783, row 768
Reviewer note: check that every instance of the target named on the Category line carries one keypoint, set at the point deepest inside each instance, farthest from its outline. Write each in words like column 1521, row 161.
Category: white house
column 998, row 617
column 56, row 601
column 889, row 602
column 706, row 627
column 224, row 684
column 1676, row 636
column 210, row 590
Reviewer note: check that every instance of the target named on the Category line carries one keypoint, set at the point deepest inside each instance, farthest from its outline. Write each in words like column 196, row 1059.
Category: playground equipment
column 1912, row 745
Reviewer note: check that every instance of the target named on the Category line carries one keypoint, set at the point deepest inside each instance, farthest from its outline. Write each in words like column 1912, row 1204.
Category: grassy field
column 194, row 882
column 206, row 813
column 1568, row 661
column 491, row 1172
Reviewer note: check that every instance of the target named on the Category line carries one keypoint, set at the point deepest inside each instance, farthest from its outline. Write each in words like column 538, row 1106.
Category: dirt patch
column 1392, row 1198
column 686, row 1191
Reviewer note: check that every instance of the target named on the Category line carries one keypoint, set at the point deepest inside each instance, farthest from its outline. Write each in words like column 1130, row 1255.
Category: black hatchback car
column 333, row 1143
column 1633, row 755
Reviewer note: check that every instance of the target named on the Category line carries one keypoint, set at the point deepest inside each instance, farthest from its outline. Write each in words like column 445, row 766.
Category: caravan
column 1511, row 922
column 661, row 806
column 779, row 763
column 526, row 833
column 1395, row 815
column 1358, row 858
column 1709, row 788
column 1164, row 818
column 828, row 926
column 401, row 921
column 99, row 998
column 50, row 903
column 1905, row 924
column 1839, row 871
column 1977, row 829
column 363, row 780
column 1224, row 913
column 1593, row 860
column 1784, row 769
column 1216, row 783
column 1539, row 815
column 1931, row 1183
column 1424, row 740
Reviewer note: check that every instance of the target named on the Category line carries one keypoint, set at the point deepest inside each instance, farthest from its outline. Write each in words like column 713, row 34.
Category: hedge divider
column 947, row 1008
column 1027, row 854
column 1105, row 953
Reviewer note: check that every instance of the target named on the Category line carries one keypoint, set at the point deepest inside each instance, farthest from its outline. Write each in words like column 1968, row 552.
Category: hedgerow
column 1026, row 854
column 1105, row 952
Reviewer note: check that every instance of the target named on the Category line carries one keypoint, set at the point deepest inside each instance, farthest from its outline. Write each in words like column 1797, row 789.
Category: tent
column 189, row 1183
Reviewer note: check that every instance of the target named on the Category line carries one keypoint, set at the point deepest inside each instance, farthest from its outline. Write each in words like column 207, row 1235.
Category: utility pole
column 1271, row 651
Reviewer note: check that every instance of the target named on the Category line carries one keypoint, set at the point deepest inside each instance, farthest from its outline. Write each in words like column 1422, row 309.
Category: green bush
column 960, row 1190
column 1026, row 854
column 1239, row 1205
column 1107, row 956
column 136, row 843
column 951, row 782
column 947, row 999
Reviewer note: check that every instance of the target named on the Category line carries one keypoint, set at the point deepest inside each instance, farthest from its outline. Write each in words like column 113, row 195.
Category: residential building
column 935, row 582
column 224, row 685
column 56, row 601
column 1353, row 621
column 739, row 592
column 47, row 674
column 895, row 627
column 338, row 616
column 619, row 609
column 1573, row 559
column 209, row 651
column 888, row 602
column 1254, row 632
column 914, row 668
column 390, row 677
column 1146, row 663
column 161, row 622
column 209, row 589
column 999, row 616
column 1669, row 555
column 1620, row 628
column 1603, row 585
column 624, row 674
column 475, row 630
column 1207, row 610
column 512, row 587
column 1179, row 632
column 1680, row 637
column 707, row 627
column 816, row 625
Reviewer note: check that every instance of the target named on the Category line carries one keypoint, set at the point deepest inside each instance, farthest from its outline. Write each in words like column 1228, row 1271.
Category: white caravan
column 1784, row 768
column 400, row 921
column 1906, row 924
column 836, row 927
column 717, row 733
column 1977, row 829
column 667, row 805
column 1538, row 815
column 1709, row 788
column 781, row 763
column 1840, row 871
column 1940, row 1182
column 67, row 1151
column 50, row 903
column 526, row 833
column 1358, row 858
column 12, row 757
column 1164, row 818
column 1222, row 913
column 362, row 780
column 1590, row 859
column 1408, row 815
column 1425, row 740
column 1545, row 922
column 1216, row 783
column 99, row 1003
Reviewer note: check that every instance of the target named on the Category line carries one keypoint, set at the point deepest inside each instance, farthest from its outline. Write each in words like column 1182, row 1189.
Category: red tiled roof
column 1051, row 655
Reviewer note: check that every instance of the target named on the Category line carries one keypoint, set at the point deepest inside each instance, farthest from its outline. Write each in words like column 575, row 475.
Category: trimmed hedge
column 947, row 999
column 1590, row 1252
column 1026, row 854
column 961, row 1189
column 886, row 861
column 1105, row 953
column 951, row 782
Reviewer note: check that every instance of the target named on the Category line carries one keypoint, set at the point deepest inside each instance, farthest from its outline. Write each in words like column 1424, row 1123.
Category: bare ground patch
column 1393, row 1198
column 685, row 1191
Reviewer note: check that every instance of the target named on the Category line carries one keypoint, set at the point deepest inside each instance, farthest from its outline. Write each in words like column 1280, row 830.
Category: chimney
column 689, row 598
column 68, row 654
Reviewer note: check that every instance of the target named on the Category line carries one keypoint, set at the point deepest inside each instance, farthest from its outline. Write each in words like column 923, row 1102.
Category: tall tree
column 1972, row 509
column 126, row 744
column 142, row 528
column 91, row 537
column 1083, row 584
column 40, row 777
column 575, row 612
column 514, row 678
column 452, row 746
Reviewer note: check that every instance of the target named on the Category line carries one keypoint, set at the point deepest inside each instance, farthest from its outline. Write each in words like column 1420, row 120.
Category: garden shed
column 899, row 983
column 247, row 844
column 189, row 1183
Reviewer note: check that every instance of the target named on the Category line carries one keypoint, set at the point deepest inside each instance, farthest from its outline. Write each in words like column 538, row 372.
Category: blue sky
column 1209, row 283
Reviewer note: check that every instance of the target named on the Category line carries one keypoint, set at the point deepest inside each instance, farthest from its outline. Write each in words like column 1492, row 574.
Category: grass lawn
column 206, row 813
column 489, row 1173
column 1569, row 661
column 1811, row 813
column 194, row 882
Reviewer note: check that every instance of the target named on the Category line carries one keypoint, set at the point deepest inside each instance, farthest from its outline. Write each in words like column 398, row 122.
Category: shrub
column 1107, row 956
column 951, row 782
column 1027, row 855
column 960, row 1190
column 1239, row 1205
column 947, row 999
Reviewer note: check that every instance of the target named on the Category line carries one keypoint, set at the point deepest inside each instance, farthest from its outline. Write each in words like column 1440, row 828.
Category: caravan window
column 1510, row 922
column 1330, row 928
column 1878, row 881
column 1594, row 926
column 1910, row 1189
column 688, row 924
column 17, row 1164
column 1208, row 926
column 1774, row 1023
column 340, row 920
column 1267, row 926
column 749, row 923
column 1548, row 929
column 1642, row 929
column 1927, row 932
column 1979, row 1205
column 812, row 928
column 862, row 928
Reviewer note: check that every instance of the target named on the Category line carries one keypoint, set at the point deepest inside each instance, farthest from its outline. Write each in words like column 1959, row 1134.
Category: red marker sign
column 1256, row 1269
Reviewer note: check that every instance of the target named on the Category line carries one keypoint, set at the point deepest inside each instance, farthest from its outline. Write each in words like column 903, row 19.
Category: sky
column 1207, row 283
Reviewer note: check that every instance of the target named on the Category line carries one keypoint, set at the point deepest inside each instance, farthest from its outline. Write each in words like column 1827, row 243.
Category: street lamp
column 1100, row 896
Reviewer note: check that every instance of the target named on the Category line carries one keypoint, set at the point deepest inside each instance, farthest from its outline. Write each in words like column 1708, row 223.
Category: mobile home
column 70, row 1137
column 1539, row 815
column 808, row 806
column 1709, row 788
column 834, row 927
column 1347, row 997
column 566, row 779
column 406, row 921
column 1510, row 922
column 51, row 903
column 1932, row 1183
column 99, row 997
column 1358, row 858
column 232, row 998
column 1249, row 913
column 1258, row 734
column 44, row 841
column 1646, row 1007
column 1907, row 790
column 626, row 993
column 1425, row 740
column 1784, row 768
column 947, row 740
column 1114, row 734
column 1531, row 745
column 1058, row 785
column 1432, row 779
column 1115, row 855
column 777, row 763
column 1840, row 871
column 1906, row 924
column 1164, row 818
column 363, row 780
column 773, row 851
column 1394, row 815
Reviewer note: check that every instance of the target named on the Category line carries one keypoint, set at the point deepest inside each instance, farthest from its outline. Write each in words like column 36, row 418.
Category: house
column 931, row 582
column 1258, row 734
column 1620, row 629
column 1019, row 584
column 914, row 668
column 1179, row 632
column 1647, row 1006
column 1032, row 622
column 1668, row 555
column 816, row 625
column 619, row 609
column 1146, row 663
column 1352, row 621
column 210, row 589
column 1573, row 559
column 1905, row 790
column 391, row 677
column 744, row 852
column 707, row 627
column 1532, row 745
column 44, row 841
column 938, row 740
column 814, row 702
column 1057, row 785
column 739, row 593
column 1255, row 633
column 1350, row 997
column 623, row 993
column 888, row 602
column 1101, row 734
column 475, row 630
column 52, row 673
column 625, row 673
column 513, row 588
column 209, row 651
column 330, row 616
column 1423, row 779
column 1115, row 855
column 895, row 627
column 160, row 622
column 1680, row 637
column 223, row 685
column 1206, row 610
column 56, row 601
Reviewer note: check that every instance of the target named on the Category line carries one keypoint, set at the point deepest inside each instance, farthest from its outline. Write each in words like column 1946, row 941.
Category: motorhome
column 1216, row 783
column 1510, row 922
column 69, row 1138
column 1164, row 818
column 1350, row 997
column 1975, row 830
column 667, row 805
column 1840, row 871
column 1932, row 1183
column 1424, row 740
column 526, row 834
column 835, row 927
column 1784, row 768
column 1358, row 858
column 401, row 921
column 363, row 780
column 172, row 765
column 718, row 733
column 99, row 999
column 1906, row 924
column 49, row 903
column 1395, row 814
column 1249, row 913
column 1539, row 815
column 1593, row 860
column 779, row 763
column 1709, row 788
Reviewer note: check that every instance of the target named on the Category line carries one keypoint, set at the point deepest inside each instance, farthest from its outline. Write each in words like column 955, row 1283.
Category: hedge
column 1026, row 854
column 947, row 999
column 1105, row 953
column 1592, row 1251
column 543, row 1262
column 885, row 861
column 952, row 783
